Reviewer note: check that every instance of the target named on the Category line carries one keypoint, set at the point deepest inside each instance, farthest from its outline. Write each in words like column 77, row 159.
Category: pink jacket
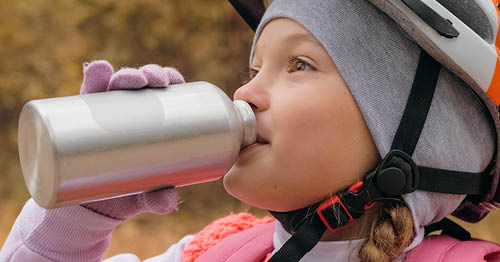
column 41, row 235
column 253, row 245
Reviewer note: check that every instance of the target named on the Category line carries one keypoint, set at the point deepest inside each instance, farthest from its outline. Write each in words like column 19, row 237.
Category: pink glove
column 98, row 76
column 83, row 233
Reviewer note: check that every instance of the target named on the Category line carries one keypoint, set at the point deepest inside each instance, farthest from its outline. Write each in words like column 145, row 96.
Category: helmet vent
column 472, row 15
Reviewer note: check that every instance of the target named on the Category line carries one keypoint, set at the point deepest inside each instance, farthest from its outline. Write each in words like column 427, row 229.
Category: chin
column 232, row 184
column 235, row 187
column 250, row 197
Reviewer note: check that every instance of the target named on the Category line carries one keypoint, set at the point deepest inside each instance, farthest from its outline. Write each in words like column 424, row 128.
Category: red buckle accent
column 356, row 187
column 330, row 203
column 335, row 201
column 370, row 205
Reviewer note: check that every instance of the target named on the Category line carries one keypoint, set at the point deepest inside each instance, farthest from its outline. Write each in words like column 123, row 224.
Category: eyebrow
column 294, row 39
column 303, row 37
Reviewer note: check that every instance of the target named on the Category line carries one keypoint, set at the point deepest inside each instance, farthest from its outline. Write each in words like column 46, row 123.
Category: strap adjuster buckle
column 397, row 174
column 335, row 213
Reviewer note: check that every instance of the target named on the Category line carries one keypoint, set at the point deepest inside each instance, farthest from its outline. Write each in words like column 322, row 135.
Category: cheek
column 317, row 136
column 317, row 146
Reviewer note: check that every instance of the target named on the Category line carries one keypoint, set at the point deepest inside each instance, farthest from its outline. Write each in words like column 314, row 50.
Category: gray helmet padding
column 378, row 62
column 472, row 15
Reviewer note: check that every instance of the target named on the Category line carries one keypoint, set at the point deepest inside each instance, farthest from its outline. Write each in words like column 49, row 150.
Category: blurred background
column 43, row 46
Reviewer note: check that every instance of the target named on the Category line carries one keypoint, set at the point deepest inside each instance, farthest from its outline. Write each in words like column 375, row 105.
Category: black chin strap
column 449, row 228
column 336, row 212
column 307, row 236
column 291, row 220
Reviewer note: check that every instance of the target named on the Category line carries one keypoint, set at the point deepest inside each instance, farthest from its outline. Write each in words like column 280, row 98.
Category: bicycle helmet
column 394, row 83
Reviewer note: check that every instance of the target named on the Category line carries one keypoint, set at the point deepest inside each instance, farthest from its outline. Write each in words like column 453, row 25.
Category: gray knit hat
column 378, row 62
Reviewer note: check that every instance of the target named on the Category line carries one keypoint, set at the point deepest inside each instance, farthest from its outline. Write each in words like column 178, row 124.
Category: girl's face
column 316, row 141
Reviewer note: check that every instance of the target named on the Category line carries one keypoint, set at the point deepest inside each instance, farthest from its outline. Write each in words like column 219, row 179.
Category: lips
column 260, row 142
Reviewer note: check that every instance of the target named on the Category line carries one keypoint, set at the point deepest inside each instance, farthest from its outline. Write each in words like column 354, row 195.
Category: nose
column 255, row 94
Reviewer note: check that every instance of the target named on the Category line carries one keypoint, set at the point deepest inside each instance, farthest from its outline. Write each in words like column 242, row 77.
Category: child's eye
column 251, row 74
column 298, row 64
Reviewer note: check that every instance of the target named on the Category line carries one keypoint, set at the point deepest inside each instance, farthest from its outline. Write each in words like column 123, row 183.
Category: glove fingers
column 174, row 76
column 96, row 76
column 127, row 78
column 156, row 75
column 121, row 208
column 162, row 201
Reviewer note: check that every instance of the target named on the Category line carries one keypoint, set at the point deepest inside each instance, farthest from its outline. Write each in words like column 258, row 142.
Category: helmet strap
column 388, row 179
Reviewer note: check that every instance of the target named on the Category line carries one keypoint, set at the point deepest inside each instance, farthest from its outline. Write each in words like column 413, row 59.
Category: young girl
column 330, row 86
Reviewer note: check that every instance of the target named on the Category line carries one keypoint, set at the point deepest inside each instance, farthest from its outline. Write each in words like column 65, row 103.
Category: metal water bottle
column 87, row 147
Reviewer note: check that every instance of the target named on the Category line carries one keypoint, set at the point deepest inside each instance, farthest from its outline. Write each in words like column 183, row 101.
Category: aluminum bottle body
column 87, row 147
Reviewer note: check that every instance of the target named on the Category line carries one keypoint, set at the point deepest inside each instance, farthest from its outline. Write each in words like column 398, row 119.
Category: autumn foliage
column 43, row 45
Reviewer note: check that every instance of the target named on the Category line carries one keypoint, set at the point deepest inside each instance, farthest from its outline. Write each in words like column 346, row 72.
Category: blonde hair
column 390, row 233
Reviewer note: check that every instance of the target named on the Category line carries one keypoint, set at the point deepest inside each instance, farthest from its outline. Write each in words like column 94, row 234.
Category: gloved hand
column 83, row 232
column 99, row 76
